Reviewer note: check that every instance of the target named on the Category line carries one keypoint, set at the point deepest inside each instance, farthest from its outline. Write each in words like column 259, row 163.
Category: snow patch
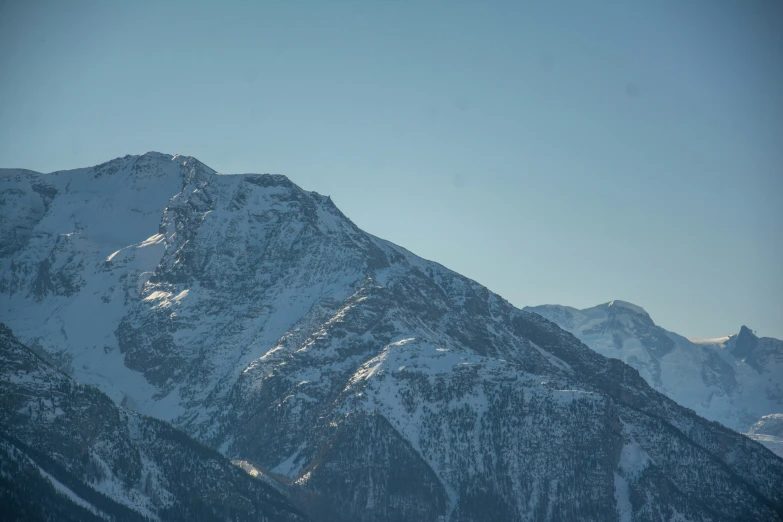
column 714, row 340
column 152, row 240
column 157, row 295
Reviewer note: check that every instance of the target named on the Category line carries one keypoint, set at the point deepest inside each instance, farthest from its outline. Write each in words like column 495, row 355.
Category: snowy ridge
column 735, row 380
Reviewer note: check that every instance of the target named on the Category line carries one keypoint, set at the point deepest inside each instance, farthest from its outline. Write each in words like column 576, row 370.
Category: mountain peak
column 745, row 331
column 745, row 343
column 627, row 306
column 160, row 155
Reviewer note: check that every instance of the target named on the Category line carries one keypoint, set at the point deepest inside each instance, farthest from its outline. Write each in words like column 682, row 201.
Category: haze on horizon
column 553, row 151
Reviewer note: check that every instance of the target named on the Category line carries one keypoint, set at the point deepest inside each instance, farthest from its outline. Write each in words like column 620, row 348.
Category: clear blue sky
column 557, row 152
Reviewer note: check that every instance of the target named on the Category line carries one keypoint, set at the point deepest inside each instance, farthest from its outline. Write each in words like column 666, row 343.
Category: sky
column 556, row 152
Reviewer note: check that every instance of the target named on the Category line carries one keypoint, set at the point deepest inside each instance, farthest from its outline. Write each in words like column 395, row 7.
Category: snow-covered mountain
column 735, row 380
column 374, row 384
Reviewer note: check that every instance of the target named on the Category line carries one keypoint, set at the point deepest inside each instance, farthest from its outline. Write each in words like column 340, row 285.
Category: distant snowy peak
column 762, row 353
column 744, row 340
column 745, row 343
column 746, row 346
column 626, row 306
column 734, row 379
column 623, row 312
column 615, row 315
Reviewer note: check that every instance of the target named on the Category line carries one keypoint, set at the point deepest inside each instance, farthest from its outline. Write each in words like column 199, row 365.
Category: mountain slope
column 259, row 319
column 67, row 452
column 734, row 380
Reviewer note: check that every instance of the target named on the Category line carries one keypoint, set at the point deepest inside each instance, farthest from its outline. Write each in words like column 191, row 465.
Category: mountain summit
column 626, row 306
column 376, row 385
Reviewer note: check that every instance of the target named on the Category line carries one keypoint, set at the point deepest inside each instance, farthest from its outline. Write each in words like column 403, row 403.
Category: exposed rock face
column 260, row 320
column 68, row 452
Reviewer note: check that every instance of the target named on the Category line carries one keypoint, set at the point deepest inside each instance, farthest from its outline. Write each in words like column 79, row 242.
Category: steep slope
column 67, row 452
column 733, row 380
column 259, row 319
